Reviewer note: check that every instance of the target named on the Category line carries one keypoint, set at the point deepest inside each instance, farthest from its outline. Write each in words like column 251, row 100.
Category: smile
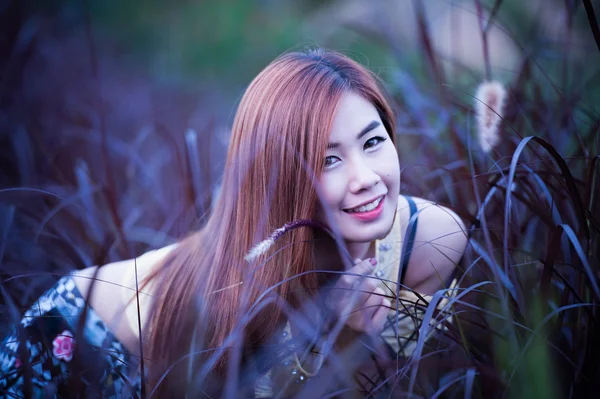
column 368, row 211
column 366, row 207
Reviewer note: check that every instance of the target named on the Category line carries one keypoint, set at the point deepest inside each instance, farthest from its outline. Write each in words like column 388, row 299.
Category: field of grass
column 91, row 173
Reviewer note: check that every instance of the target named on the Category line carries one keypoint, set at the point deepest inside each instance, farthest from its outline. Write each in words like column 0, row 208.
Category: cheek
column 391, row 165
column 332, row 190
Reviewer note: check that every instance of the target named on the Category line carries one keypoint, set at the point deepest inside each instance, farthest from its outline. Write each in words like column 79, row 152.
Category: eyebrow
column 372, row 125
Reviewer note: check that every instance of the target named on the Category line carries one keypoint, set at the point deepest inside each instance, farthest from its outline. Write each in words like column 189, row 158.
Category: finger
column 369, row 284
column 348, row 292
column 351, row 276
column 379, row 310
column 365, row 267
column 375, row 296
column 362, row 289
column 374, row 301
column 380, row 317
column 367, row 287
column 364, row 313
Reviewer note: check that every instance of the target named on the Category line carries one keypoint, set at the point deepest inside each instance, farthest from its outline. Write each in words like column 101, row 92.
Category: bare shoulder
column 113, row 285
column 118, row 276
column 105, row 279
column 440, row 242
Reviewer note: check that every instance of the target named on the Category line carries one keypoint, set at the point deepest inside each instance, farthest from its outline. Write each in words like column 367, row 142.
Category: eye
column 330, row 160
column 373, row 141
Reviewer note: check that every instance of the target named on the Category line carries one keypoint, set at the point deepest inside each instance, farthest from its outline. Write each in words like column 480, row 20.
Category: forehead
column 352, row 115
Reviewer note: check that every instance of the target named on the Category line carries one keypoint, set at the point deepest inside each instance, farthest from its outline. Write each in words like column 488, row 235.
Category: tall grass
column 89, row 177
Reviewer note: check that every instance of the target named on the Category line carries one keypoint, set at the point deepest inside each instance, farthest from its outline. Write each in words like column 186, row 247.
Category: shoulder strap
column 409, row 237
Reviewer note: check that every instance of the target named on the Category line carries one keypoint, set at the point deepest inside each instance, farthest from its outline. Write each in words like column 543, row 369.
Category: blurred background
column 115, row 119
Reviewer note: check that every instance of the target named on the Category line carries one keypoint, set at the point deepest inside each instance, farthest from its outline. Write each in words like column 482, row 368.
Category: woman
column 304, row 242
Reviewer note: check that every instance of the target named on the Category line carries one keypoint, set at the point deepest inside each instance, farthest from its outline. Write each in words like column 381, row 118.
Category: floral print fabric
column 54, row 342
column 63, row 346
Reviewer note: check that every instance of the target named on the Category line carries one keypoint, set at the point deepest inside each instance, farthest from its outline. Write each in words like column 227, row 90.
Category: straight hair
column 205, row 289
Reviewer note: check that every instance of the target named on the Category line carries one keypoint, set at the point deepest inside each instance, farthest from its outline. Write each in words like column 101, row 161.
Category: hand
column 356, row 297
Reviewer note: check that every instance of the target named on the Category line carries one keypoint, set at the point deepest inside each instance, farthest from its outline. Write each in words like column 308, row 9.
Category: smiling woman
column 361, row 178
column 310, row 256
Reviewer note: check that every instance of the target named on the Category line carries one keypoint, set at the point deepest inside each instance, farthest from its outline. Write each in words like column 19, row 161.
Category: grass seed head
column 489, row 104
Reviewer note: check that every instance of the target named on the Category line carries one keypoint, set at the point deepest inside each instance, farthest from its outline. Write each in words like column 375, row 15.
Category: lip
column 367, row 216
column 366, row 202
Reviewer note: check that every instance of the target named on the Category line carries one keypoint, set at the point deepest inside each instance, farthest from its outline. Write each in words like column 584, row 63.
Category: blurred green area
column 228, row 40
column 226, row 43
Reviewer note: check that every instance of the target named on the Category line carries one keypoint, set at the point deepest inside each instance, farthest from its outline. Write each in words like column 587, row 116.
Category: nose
column 361, row 176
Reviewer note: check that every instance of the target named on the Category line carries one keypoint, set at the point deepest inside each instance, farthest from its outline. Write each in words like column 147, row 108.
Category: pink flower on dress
column 18, row 363
column 63, row 346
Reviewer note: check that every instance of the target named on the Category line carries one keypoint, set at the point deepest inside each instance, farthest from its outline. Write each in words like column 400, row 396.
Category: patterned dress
column 48, row 347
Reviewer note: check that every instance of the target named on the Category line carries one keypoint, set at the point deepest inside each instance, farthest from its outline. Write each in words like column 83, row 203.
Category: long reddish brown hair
column 279, row 138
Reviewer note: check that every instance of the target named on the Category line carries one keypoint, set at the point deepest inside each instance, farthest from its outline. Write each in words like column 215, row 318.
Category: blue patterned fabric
column 57, row 349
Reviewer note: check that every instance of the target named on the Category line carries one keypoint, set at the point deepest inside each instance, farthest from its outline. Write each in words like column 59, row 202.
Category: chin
column 365, row 236
column 369, row 233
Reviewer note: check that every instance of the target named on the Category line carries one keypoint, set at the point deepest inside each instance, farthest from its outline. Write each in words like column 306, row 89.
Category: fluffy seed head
column 489, row 104
column 263, row 246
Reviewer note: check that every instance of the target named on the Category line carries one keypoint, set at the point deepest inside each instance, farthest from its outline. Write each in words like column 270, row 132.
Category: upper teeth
column 368, row 207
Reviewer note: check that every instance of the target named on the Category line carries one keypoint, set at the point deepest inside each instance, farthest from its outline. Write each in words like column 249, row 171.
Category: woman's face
column 361, row 179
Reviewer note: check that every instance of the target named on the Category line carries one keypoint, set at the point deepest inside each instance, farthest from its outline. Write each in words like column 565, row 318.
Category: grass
column 82, row 185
